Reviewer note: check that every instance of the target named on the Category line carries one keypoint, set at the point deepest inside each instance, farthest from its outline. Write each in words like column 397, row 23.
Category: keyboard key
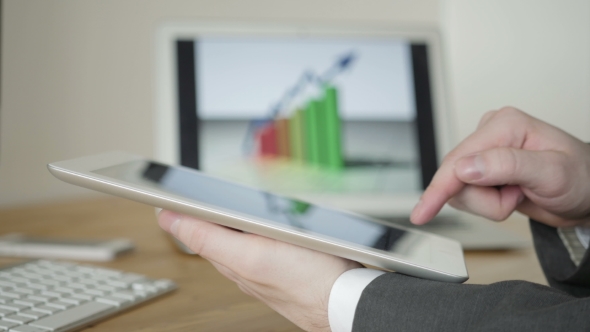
column 12, row 295
column 20, row 280
column 24, row 291
column 116, row 301
column 64, row 290
column 77, row 286
column 98, row 277
column 117, row 284
column 39, row 287
column 6, row 283
column 82, row 297
column 141, row 294
column 71, row 316
column 145, row 287
column 18, row 318
column 5, row 299
column 84, row 269
column 14, row 306
column 33, row 314
column 88, row 282
column 106, row 288
column 53, row 294
column 65, row 279
column 6, row 312
column 28, row 302
column 107, row 272
column 5, row 325
column 41, row 298
column 164, row 284
column 31, row 275
column 71, row 273
column 60, row 304
column 51, row 282
column 95, row 292
column 47, row 309
column 73, row 300
column 26, row 328
column 126, row 294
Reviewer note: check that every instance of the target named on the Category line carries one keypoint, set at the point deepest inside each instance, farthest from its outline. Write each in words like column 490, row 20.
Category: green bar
column 335, row 160
column 322, row 118
column 296, row 135
column 299, row 207
column 311, row 133
column 302, row 144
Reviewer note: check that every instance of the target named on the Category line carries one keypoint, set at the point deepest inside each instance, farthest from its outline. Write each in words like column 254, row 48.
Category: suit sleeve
column 395, row 302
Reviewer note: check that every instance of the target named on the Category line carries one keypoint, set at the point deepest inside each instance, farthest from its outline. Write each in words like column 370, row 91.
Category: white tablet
column 339, row 233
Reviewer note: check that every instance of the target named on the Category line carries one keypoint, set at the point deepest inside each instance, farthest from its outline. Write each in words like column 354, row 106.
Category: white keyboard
column 41, row 296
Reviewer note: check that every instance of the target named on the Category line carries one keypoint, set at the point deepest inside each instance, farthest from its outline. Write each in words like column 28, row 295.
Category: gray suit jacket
column 395, row 302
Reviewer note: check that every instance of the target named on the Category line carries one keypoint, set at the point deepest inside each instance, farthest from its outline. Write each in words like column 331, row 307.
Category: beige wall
column 78, row 75
column 533, row 54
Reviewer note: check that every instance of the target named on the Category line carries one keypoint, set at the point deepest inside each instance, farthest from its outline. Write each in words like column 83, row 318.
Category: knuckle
column 508, row 164
column 489, row 113
column 515, row 116
column 451, row 157
column 561, row 175
column 487, row 116
column 510, row 111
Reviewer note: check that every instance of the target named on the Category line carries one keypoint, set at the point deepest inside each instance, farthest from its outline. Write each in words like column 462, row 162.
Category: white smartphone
column 339, row 233
column 20, row 245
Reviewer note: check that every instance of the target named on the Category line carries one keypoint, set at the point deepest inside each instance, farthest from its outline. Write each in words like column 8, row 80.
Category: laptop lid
column 230, row 97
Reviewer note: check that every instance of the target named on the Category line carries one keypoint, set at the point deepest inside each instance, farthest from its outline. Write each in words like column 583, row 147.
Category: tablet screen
column 299, row 215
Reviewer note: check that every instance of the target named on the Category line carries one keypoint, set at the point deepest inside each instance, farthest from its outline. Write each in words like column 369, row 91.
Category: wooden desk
column 205, row 301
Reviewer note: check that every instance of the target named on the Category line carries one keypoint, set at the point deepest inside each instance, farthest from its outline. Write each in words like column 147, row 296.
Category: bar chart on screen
column 308, row 115
column 311, row 135
column 309, row 131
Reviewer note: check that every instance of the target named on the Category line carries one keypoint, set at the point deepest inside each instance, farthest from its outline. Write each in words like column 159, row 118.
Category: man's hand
column 293, row 281
column 513, row 162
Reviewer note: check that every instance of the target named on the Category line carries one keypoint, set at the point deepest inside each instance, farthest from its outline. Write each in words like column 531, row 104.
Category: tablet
column 187, row 191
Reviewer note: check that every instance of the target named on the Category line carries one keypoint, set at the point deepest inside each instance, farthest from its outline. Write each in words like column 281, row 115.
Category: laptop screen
column 307, row 114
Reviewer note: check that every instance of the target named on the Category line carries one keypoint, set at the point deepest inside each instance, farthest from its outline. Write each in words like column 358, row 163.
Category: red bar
column 267, row 141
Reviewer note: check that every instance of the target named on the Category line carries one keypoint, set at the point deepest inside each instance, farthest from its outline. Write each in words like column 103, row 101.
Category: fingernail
column 470, row 168
column 174, row 227
column 169, row 221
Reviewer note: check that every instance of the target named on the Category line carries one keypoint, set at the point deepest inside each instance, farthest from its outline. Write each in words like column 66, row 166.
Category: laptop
column 348, row 117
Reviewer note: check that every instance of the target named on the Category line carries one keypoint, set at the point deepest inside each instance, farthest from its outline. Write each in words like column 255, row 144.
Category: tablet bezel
column 81, row 172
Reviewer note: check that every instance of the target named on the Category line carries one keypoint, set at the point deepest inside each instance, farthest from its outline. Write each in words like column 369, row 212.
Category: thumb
column 510, row 166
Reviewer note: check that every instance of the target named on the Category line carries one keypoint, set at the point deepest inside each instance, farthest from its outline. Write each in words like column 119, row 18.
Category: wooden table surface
column 205, row 301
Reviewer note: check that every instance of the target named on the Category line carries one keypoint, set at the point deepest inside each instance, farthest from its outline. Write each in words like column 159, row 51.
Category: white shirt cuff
column 583, row 234
column 345, row 295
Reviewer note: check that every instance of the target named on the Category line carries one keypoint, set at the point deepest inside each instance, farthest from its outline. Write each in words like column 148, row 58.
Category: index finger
column 492, row 133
